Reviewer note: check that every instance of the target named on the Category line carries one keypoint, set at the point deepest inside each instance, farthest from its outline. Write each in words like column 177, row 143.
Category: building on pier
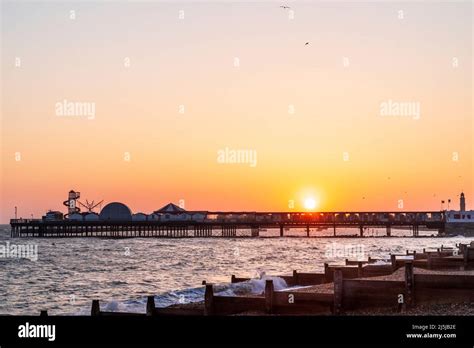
column 53, row 215
column 172, row 212
column 139, row 217
column 75, row 217
column 462, row 202
column 460, row 221
column 116, row 211
column 91, row 216
column 461, row 215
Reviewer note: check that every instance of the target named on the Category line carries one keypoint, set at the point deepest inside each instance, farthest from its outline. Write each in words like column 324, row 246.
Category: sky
column 374, row 113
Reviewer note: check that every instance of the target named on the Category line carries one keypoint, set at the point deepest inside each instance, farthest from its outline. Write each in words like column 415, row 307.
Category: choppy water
column 69, row 273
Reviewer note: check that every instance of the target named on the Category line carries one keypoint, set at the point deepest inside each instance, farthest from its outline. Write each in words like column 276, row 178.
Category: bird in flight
column 306, row 44
column 285, row 7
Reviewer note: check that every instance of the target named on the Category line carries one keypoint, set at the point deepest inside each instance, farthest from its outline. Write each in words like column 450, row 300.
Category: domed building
column 116, row 211
column 75, row 217
column 91, row 216
column 139, row 217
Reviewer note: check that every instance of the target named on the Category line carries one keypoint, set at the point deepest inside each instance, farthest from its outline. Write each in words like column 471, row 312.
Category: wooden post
column 150, row 305
column 326, row 272
column 295, row 277
column 203, row 282
column 359, row 270
column 393, row 260
column 43, row 313
column 232, row 278
column 338, row 291
column 209, row 300
column 409, row 284
column 465, row 257
column 281, row 230
column 268, row 295
column 95, row 310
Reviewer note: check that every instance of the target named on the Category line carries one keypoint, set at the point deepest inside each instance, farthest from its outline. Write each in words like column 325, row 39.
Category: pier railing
column 329, row 217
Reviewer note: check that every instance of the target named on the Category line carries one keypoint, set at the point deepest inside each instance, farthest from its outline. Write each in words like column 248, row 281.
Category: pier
column 226, row 224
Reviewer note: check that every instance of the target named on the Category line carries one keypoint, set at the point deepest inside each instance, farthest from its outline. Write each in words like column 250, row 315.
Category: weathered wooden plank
column 444, row 281
column 308, row 278
column 237, row 304
column 290, row 298
column 178, row 312
column 441, row 295
column 368, row 293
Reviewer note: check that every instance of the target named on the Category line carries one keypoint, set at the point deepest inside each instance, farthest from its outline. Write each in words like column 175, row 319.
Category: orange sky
column 297, row 106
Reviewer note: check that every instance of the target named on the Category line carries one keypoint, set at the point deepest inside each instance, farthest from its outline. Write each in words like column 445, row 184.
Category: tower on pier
column 462, row 202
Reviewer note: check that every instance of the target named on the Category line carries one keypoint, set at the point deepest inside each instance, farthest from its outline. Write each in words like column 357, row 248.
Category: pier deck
column 226, row 224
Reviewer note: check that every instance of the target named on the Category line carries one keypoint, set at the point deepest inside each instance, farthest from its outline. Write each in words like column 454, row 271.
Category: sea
column 64, row 275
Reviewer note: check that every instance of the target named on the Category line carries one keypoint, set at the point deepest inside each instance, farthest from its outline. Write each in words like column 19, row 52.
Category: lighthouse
column 462, row 202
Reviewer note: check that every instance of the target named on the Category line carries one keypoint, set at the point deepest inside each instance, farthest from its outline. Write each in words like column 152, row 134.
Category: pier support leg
column 415, row 230
column 361, row 231
column 281, row 230
column 254, row 231
column 307, row 230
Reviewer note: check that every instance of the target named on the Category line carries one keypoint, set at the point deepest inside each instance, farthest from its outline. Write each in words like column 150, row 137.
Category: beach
column 121, row 273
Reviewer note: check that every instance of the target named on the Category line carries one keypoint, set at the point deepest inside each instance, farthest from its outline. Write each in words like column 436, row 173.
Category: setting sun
column 310, row 203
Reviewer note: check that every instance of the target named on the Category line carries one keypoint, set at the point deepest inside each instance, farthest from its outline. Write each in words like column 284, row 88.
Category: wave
column 254, row 286
column 380, row 263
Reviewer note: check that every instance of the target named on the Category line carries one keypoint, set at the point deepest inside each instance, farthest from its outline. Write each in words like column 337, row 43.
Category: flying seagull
column 285, row 7
column 306, row 44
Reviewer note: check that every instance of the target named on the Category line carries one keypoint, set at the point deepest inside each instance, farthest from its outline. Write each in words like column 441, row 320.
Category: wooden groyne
column 226, row 224
column 357, row 285
column 427, row 277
